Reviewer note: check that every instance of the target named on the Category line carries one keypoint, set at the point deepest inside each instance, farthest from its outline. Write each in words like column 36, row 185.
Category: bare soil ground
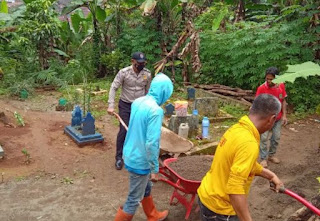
column 42, row 190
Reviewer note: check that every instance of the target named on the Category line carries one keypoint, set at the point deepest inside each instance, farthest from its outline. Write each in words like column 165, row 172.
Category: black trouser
column 208, row 215
column 124, row 112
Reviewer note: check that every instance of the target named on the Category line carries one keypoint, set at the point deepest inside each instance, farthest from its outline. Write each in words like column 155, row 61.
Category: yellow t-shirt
column 233, row 169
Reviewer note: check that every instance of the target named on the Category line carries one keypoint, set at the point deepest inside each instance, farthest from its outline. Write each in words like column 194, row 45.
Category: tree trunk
column 183, row 13
column 173, row 71
column 42, row 56
column 185, row 72
column 315, row 21
column 240, row 12
column 118, row 20
column 97, row 50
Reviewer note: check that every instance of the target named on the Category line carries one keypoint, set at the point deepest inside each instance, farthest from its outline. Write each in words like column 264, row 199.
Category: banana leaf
column 299, row 70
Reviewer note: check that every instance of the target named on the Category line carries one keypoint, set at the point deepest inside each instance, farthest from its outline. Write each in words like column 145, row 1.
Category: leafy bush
column 239, row 56
column 141, row 38
column 113, row 61
column 304, row 93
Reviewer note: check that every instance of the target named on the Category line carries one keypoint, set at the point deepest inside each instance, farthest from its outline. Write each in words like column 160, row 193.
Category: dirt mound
column 192, row 167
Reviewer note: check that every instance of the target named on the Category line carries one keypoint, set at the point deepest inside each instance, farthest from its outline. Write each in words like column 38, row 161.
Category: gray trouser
column 274, row 141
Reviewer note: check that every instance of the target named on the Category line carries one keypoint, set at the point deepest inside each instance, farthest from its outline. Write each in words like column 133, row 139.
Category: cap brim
column 140, row 60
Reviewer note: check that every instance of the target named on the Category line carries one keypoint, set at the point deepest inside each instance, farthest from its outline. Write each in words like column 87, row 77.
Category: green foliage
column 47, row 77
column 302, row 85
column 234, row 111
column 239, row 56
column 304, row 93
column 46, row 50
column 213, row 17
column 318, row 109
column 132, row 40
column 113, row 61
column 20, row 178
column 19, row 119
column 4, row 7
column 38, row 29
column 299, row 70
column 66, row 180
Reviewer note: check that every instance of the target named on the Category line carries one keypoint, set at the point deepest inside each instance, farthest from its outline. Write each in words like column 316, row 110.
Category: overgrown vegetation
column 228, row 42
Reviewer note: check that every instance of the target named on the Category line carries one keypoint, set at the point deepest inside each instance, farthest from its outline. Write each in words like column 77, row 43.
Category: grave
column 169, row 109
column 223, row 99
column 191, row 92
column 206, row 106
column 192, row 120
column 82, row 130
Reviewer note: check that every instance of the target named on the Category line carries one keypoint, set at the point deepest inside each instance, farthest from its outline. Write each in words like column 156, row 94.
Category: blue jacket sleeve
column 153, row 139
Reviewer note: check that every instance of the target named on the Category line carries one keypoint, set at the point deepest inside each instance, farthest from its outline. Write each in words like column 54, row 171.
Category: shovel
column 297, row 197
column 171, row 142
column 121, row 121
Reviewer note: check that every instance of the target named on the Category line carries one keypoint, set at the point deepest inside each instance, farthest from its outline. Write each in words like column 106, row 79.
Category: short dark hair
column 272, row 70
column 265, row 105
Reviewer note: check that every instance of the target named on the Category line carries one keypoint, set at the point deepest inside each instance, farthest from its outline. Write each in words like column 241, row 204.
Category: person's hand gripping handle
column 279, row 187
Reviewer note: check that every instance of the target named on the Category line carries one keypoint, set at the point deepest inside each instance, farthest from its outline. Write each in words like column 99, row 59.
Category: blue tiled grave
column 82, row 130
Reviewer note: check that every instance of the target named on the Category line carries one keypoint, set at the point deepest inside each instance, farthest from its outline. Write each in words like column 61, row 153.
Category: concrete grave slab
column 206, row 106
column 192, row 120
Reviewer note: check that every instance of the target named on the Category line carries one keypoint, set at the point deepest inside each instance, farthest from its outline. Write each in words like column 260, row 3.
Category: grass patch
column 98, row 114
column 237, row 112
column 20, row 178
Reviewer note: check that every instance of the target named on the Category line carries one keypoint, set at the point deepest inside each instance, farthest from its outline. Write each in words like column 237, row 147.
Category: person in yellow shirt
column 224, row 189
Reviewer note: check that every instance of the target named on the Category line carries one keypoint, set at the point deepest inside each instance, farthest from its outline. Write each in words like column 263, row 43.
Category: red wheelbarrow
column 183, row 188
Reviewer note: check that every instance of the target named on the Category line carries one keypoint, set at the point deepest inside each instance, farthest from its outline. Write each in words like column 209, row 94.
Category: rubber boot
column 151, row 211
column 122, row 216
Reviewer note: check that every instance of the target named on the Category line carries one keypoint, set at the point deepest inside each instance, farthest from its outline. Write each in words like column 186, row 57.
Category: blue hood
column 161, row 88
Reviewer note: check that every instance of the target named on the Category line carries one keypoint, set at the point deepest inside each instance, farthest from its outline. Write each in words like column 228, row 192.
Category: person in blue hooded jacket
column 141, row 149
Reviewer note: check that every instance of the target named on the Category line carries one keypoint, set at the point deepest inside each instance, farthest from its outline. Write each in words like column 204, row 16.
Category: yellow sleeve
column 244, row 160
column 257, row 169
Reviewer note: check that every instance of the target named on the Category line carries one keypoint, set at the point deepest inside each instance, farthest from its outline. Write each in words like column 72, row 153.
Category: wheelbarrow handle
column 297, row 197
column 174, row 184
column 303, row 201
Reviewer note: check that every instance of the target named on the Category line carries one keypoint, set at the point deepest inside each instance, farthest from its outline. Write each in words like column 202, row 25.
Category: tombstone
column 76, row 116
column 83, row 131
column 191, row 93
column 192, row 121
column 206, row 106
column 88, row 125
column 169, row 109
